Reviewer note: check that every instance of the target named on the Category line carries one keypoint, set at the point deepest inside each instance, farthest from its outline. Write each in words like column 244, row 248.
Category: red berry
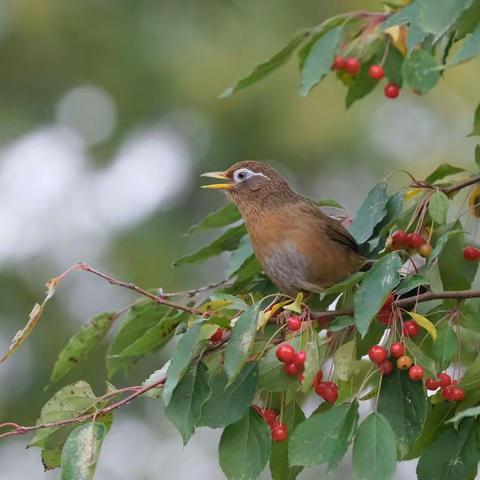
column 270, row 416
column 411, row 328
column 388, row 301
column 384, row 316
column 376, row 72
column 399, row 238
column 416, row 372
column 415, row 240
column 285, row 353
column 431, row 384
column 391, row 90
column 386, row 367
column 444, row 379
column 457, row 394
column 397, row 349
column 279, row 432
column 217, row 336
column 330, row 394
column 300, row 358
column 292, row 369
column 294, row 323
column 322, row 387
column 447, row 392
column 471, row 253
column 338, row 63
column 377, row 354
column 352, row 65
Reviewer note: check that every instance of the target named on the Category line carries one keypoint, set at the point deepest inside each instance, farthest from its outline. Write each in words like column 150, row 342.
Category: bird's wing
column 332, row 227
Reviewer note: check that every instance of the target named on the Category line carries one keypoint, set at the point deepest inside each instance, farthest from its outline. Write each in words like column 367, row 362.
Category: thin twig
column 131, row 286
column 21, row 430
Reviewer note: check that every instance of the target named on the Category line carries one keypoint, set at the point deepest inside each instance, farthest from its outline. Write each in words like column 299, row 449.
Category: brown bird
column 299, row 247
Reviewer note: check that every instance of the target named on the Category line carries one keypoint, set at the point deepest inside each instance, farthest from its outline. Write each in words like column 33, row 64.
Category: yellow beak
column 219, row 175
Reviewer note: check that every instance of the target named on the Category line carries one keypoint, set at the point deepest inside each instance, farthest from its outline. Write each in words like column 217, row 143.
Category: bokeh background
column 108, row 114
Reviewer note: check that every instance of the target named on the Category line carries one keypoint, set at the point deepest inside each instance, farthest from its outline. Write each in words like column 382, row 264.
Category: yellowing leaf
column 398, row 33
column 413, row 192
column 296, row 306
column 425, row 323
column 267, row 315
column 474, row 201
column 33, row 319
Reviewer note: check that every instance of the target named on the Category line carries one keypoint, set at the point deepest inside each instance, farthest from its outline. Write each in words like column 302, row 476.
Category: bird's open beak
column 219, row 175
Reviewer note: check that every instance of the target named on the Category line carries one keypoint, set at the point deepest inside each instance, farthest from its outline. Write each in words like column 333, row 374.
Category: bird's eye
column 242, row 175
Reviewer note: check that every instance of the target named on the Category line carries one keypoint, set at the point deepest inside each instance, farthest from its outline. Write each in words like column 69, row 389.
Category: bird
column 300, row 248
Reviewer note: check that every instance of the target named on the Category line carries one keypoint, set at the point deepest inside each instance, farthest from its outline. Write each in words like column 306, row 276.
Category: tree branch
column 406, row 302
column 21, row 430
column 451, row 189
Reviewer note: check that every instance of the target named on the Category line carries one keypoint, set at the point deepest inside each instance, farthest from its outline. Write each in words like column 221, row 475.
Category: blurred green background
column 108, row 114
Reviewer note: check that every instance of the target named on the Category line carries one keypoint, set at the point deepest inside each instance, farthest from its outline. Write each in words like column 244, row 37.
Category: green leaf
column 68, row 402
column 241, row 341
column 435, row 420
column 403, row 403
column 437, row 16
column 228, row 404
column 438, row 207
column 374, row 290
column 229, row 241
column 471, row 379
column 361, row 86
column 420, row 358
column 184, row 353
column 272, row 376
column 279, row 467
column 442, row 171
column 188, row 398
column 314, row 353
column 81, row 451
column 393, row 65
column 81, row 344
column 477, row 156
column 405, row 15
column 456, row 272
column 442, row 242
column 445, row 347
column 453, row 455
column 344, row 359
column 245, row 447
column 265, row 68
column 420, row 71
column 375, row 449
column 147, row 327
column 325, row 437
column 319, row 60
column 409, row 283
column 221, row 218
column 240, row 256
column 476, row 123
column 469, row 412
column 372, row 211
column 340, row 287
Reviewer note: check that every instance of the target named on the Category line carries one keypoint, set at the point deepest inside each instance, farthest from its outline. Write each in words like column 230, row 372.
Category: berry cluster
column 450, row 391
column 471, row 253
column 278, row 429
column 294, row 361
column 352, row 66
column 325, row 389
column 400, row 239
column 378, row 355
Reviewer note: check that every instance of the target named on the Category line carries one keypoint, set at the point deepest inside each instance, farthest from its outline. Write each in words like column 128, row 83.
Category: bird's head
column 250, row 182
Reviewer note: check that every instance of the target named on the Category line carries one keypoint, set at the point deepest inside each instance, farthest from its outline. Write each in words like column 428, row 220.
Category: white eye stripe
column 243, row 174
